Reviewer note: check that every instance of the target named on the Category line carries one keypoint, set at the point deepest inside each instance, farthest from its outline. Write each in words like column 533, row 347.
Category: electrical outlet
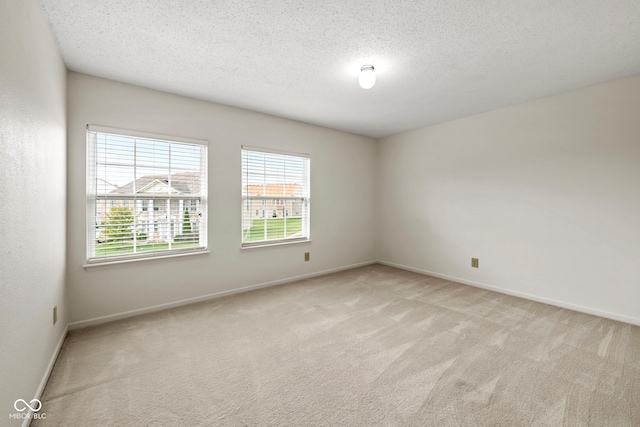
column 474, row 262
column 55, row 314
column 307, row 256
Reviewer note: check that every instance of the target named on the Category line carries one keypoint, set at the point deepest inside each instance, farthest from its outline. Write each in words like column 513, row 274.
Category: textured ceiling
column 435, row 60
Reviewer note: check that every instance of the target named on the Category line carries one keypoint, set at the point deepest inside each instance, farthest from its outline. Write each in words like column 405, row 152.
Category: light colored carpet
column 369, row 346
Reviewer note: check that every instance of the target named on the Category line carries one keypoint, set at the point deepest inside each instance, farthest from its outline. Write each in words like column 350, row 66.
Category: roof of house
column 273, row 190
column 103, row 185
column 182, row 182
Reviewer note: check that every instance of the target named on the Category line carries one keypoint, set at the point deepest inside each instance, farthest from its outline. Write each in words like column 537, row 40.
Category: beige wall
column 342, row 174
column 33, row 208
column 546, row 194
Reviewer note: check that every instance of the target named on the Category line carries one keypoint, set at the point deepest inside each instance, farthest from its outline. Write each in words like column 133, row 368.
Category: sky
column 121, row 159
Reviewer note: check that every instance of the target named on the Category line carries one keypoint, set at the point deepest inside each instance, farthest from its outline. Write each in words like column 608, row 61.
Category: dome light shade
column 367, row 77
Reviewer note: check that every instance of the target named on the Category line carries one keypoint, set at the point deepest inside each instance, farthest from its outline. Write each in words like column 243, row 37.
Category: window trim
column 92, row 197
column 273, row 199
column 166, row 254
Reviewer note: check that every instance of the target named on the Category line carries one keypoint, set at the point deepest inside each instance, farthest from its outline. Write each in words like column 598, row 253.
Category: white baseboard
column 137, row 312
column 532, row 297
column 47, row 372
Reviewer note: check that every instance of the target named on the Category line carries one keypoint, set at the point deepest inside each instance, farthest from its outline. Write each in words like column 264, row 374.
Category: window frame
column 93, row 198
column 264, row 200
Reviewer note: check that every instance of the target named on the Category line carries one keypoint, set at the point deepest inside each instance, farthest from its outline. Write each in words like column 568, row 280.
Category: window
column 275, row 178
column 170, row 174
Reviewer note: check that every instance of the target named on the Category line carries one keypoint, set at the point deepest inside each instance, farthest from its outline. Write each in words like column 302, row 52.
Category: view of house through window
column 275, row 197
column 147, row 195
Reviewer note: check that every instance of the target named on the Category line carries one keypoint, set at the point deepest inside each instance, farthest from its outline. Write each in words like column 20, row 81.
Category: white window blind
column 275, row 197
column 146, row 195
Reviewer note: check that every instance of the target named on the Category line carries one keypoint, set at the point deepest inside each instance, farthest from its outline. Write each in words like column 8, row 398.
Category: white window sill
column 148, row 258
column 274, row 244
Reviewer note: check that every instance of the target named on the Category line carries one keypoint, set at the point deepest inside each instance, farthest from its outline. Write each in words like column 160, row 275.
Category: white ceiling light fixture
column 367, row 77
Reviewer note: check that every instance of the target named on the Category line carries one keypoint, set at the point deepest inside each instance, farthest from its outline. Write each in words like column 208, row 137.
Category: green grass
column 275, row 229
column 118, row 248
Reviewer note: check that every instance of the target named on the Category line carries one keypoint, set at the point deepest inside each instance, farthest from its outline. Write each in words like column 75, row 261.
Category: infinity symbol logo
column 35, row 408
